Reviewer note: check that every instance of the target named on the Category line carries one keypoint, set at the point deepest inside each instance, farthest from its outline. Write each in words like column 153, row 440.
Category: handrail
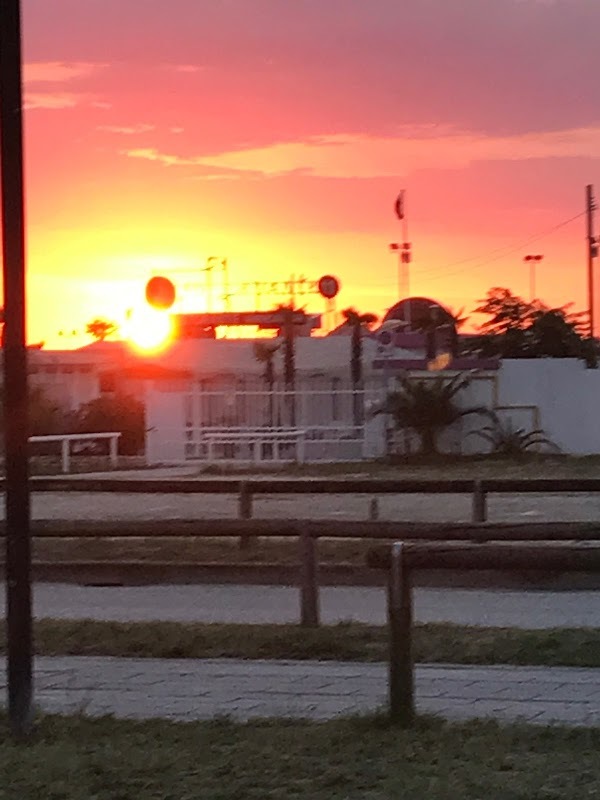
column 66, row 438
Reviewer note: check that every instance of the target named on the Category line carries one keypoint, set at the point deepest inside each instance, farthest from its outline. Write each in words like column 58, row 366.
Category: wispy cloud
column 44, row 82
column 51, row 100
column 202, row 169
column 152, row 154
column 126, row 130
column 344, row 156
column 186, row 68
column 58, row 71
column 372, row 157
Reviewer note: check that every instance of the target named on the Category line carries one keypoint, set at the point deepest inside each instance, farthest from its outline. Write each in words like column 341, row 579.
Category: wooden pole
column 18, row 538
column 479, row 502
column 245, row 511
column 373, row 509
column 591, row 254
column 401, row 669
column 309, row 587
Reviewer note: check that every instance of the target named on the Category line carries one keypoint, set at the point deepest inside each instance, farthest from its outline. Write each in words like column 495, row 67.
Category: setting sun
column 148, row 330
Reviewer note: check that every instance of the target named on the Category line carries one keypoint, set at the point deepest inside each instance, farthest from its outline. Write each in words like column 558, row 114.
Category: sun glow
column 148, row 330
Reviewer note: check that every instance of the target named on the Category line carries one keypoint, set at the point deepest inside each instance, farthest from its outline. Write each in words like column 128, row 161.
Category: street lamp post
column 18, row 541
column 532, row 260
column 404, row 258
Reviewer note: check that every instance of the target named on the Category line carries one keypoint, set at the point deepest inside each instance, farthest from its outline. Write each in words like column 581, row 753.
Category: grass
column 530, row 465
column 346, row 759
column 433, row 643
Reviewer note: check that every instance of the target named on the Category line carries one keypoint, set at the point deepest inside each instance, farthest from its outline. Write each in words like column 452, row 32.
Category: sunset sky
column 278, row 133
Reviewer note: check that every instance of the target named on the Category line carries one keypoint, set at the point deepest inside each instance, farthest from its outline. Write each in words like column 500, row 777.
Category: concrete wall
column 560, row 396
column 565, row 394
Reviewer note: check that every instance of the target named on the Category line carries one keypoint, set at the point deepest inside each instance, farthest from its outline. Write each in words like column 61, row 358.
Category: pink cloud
column 58, row 71
column 51, row 101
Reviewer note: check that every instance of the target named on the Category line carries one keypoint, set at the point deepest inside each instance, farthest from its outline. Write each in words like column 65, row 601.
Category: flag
column 399, row 205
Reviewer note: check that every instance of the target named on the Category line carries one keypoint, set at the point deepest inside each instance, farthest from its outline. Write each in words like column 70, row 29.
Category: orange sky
column 278, row 135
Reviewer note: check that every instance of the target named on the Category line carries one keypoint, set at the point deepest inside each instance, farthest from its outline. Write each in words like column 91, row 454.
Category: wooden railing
column 440, row 538
column 402, row 558
column 248, row 489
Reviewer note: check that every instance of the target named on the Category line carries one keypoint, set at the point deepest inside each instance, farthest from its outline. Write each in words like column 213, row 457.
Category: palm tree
column 428, row 406
column 507, row 440
column 289, row 356
column 358, row 323
column 264, row 353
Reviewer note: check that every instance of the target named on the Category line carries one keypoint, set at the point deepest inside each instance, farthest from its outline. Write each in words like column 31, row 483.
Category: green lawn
column 433, row 643
column 346, row 759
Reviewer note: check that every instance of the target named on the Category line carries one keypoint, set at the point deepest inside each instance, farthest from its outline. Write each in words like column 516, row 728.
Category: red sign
column 328, row 286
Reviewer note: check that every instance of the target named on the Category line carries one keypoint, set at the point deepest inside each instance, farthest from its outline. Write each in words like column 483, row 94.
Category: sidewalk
column 200, row 689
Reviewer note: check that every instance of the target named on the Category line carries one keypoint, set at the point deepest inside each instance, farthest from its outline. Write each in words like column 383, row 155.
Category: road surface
column 276, row 604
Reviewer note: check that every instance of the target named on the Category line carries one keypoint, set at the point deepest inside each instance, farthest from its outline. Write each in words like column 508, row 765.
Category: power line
column 499, row 252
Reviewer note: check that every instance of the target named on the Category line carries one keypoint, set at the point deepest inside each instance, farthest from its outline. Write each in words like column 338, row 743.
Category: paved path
column 201, row 689
column 279, row 604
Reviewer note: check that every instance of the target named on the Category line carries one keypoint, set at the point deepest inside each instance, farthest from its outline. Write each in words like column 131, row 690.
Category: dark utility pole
column 592, row 252
column 18, row 545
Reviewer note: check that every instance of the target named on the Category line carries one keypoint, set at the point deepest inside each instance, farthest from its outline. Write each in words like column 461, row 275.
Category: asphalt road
column 256, row 604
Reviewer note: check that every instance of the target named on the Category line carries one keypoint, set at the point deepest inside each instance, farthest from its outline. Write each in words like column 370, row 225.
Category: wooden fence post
column 401, row 673
column 309, row 587
column 479, row 502
column 245, row 511
column 374, row 509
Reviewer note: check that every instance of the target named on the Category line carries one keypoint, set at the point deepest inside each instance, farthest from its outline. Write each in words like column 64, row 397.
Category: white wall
column 165, row 424
column 566, row 395
column 560, row 396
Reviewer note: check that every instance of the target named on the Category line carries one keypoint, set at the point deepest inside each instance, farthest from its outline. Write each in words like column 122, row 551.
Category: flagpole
column 404, row 254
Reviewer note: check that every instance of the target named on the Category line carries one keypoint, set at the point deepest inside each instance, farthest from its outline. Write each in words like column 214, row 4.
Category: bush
column 119, row 413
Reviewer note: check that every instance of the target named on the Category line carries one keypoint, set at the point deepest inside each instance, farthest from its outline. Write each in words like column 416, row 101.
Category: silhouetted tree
column 101, row 329
column 427, row 406
column 517, row 328
column 264, row 352
column 288, row 313
column 359, row 323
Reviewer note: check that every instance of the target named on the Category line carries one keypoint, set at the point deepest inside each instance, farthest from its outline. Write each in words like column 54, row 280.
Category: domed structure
column 418, row 314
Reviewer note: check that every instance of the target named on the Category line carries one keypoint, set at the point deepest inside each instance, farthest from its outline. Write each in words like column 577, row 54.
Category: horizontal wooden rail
column 315, row 485
column 327, row 528
column 253, row 486
column 521, row 556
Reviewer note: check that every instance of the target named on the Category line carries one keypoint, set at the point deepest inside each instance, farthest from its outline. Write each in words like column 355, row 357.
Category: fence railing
column 440, row 538
column 402, row 558
column 67, row 439
column 247, row 489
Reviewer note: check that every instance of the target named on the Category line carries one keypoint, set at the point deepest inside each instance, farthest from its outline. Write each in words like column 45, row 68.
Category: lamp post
column 18, row 541
column 532, row 260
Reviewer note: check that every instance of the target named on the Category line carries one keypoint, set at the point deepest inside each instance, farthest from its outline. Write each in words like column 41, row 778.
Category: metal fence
column 241, row 421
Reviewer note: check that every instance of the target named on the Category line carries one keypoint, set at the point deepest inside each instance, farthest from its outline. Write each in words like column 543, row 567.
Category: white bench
column 256, row 437
column 66, row 438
